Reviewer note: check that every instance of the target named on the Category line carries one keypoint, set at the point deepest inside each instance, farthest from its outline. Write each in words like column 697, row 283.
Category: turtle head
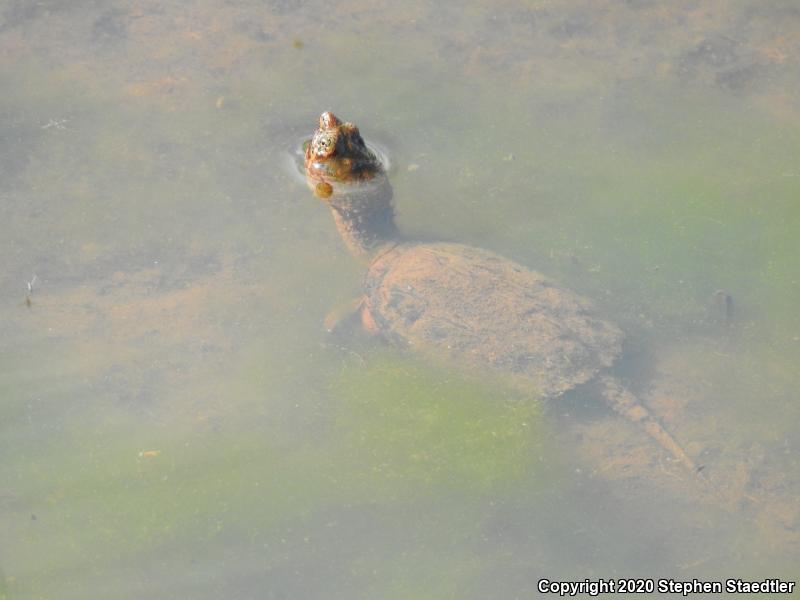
column 337, row 154
column 323, row 145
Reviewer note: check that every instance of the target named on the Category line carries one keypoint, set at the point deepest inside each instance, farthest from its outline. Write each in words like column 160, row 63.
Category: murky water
column 175, row 421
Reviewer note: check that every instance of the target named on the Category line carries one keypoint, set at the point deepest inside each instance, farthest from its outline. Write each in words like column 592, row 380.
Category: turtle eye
column 324, row 145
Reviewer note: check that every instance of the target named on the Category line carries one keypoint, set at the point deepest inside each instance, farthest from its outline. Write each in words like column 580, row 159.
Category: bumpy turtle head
column 337, row 154
column 349, row 177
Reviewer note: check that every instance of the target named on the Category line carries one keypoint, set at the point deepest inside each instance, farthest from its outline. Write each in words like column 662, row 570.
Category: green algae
column 408, row 426
column 400, row 434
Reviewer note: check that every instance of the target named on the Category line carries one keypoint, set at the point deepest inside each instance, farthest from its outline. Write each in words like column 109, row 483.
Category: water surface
column 175, row 421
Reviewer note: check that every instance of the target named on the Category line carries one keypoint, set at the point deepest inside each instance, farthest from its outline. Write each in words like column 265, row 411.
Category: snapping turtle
column 464, row 304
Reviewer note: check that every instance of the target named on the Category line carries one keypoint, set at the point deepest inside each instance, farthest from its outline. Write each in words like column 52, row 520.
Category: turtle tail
column 626, row 404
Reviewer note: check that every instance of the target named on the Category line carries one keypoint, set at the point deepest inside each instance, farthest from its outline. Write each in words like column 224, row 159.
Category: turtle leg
column 340, row 314
column 622, row 401
column 367, row 320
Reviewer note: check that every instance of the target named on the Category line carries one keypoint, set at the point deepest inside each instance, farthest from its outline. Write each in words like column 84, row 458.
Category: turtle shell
column 473, row 306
